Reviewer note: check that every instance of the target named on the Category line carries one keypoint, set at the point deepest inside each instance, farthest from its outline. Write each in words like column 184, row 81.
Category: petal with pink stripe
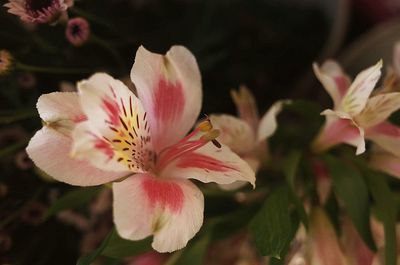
column 211, row 164
column 169, row 209
column 116, row 135
column 169, row 87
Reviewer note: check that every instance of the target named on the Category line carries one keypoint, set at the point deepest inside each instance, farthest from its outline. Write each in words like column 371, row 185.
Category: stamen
column 205, row 126
column 211, row 135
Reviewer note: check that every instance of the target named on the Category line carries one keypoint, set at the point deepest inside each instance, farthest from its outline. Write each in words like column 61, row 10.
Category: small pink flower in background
column 385, row 162
column 33, row 213
column 246, row 134
column 6, row 61
column 38, row 11
column 141, row 142
column 77, row 31
column 23, row 161
column 356, row 115
column 3, row 190
column 26, row 80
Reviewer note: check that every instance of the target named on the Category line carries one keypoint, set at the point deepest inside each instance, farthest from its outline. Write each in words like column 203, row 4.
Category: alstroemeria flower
column 356, row 115
column 142, row 142
column 247, row 133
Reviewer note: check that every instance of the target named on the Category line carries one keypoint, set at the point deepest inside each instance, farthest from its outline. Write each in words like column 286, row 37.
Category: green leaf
column 385, row 204
column 194, row 254
column 121, row 248
column 350, row 187
column 271, row 226
column 290, row 169
column 88, row 259
column 73, row 199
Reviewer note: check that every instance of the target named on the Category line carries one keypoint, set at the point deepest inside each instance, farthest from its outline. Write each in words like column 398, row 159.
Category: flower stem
column 102, row 43
column 11, row 149
column 50, row 70
column 14, row 116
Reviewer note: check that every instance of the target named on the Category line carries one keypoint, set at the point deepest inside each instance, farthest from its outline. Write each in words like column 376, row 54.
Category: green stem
column 102, row 43
column 49, row 70
column 91, row 17
column 11, row 149
column 7, row 118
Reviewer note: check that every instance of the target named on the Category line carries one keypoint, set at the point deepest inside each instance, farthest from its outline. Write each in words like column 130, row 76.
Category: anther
column 205, row 126
column 211, row 135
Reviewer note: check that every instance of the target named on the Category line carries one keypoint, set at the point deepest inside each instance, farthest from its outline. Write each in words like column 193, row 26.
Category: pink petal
column 336, row 131
column 334, row 80
column 323, row 242
column 385, row 162
column 234, row 132
column 378, row 109
column 49, row 150
column 116, row 135
column 386, row 136
column 169, row 87
column 355, row 249
column 211, row 164
column 357, row 95
column 169, row 209
column 246, row 106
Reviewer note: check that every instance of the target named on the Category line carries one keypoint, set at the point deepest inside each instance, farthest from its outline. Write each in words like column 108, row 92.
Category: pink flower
column 38, row 11
column 77, row 31
column 246, row 134
column 320, row 246
column 356, row 115
column 139, row 141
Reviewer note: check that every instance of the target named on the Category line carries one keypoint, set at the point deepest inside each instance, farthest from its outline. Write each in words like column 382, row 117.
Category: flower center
column 76, row 30
column 38, row 5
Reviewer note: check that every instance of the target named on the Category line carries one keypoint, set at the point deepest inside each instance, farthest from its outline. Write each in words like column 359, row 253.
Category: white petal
column 169, row 87
column 171, row 210
column 356, row 97
column 211, row 164
column 378, row 109
column 268, row 123
column 339, row 128
column 116, row 135
column 234, row 133
column 333, row 79
column 60, row 110
column 50, row 149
